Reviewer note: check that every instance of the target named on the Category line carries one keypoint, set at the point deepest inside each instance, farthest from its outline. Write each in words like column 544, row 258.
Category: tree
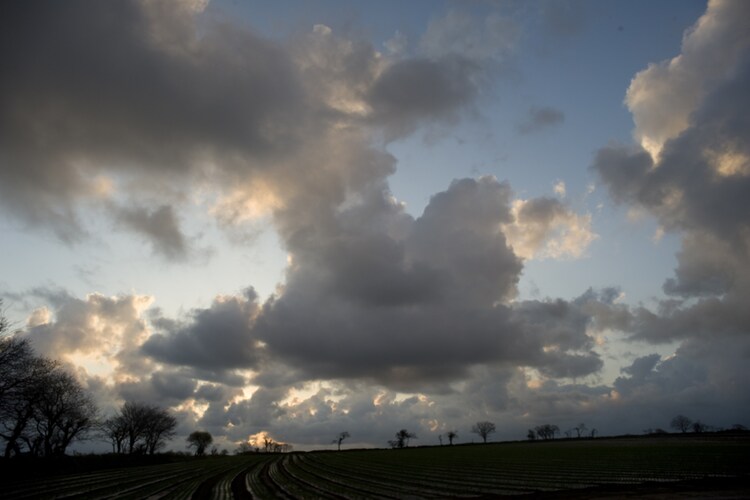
column 160, row 427
column 547, row 431
column 64, row 413
column 340, row 438
column 144, row 428
column 244, row 449
column 23, row 379
column 681, row 423
column 531, row 435
column 115, row 429
column 451, row 435
column 484, row 429
column 580, row 429
column 41, row 406
column 200, row 441
column 402, row 439
column 699, row 427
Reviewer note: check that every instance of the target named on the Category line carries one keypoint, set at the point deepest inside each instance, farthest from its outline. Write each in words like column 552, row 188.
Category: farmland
column 551, row 468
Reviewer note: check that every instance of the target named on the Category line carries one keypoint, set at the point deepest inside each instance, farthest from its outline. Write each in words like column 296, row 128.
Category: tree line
column 44, row 409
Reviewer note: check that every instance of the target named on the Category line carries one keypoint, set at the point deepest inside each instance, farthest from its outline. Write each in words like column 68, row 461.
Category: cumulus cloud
column 663, row 96
column 546, row 228
column 216, row 338
column 690, row 172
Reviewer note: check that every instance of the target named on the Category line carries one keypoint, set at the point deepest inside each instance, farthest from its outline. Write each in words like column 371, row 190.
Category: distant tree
column 681, row 423
column 739, row 427
column 340, row 438
column 569, row 433
column 531, row 435
column 593, row 433
column 699, row 427
column 580, row 430
column 451, row 436
column 402, row 439
column 244, row 449
column 200, row 440
column 547, row 431
column 483, row 429
column 143, row 428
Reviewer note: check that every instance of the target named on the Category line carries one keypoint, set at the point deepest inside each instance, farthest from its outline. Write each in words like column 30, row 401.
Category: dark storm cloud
column 93, row 89
column 375, row 294
column 540, row 118
column 422, row 89
column 217, row 338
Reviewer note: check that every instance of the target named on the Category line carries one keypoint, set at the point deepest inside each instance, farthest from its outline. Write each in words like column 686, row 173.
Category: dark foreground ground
column 657, row 467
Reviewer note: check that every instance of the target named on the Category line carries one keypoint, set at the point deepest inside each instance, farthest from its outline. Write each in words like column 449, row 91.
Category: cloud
column 160, row 226
column 538, row 119
column 546, row 228
column 690, row 172
column 663, row 97
column 217, row 338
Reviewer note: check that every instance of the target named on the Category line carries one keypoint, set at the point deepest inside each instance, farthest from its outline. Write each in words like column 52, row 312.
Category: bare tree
column 143, row 428
column 340, row 438
column 64, row 413
column 23, row 380
column 451, row 435
column 200, row 441
column 699, row 427
column 135, row 416
column 547, row 431
column 115, row 430
column 580, row 430
column 402, row 439
column 681, row 423
column 484, row 429
column 531, row 435
column 160, row 427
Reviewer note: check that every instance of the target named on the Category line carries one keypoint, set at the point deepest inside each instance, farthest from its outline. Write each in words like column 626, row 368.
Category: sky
column 293, row 219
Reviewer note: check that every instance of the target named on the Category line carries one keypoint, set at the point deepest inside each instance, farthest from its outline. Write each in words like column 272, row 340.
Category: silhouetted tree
column 41, row 406
column 200, row 441
column 160, row 427
column 23, row 381
column 451, row 436
column 64, row 413
column 580, row 429
column 547, row 431
column 484, row 429
column 681, row 423
column 340, row 438
column 531, row 435
column 244, row 449
column 699, row 427
column 402, row 439
column 115, row 429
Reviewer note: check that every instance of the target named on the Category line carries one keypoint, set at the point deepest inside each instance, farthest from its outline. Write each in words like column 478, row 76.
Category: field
column 615, row 467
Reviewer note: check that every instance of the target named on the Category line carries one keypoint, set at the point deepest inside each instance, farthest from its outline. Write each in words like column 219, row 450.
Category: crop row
column 451, row 471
